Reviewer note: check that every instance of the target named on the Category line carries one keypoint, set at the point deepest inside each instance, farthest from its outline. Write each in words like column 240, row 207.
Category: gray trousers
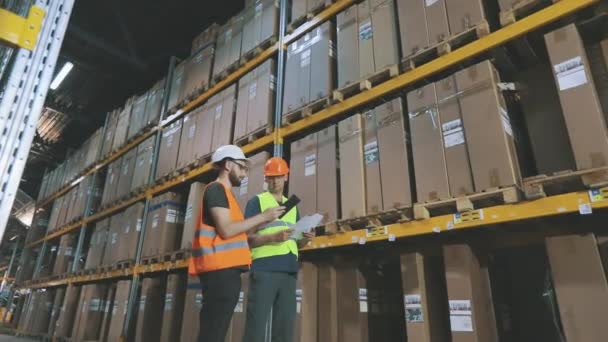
column 276, row 291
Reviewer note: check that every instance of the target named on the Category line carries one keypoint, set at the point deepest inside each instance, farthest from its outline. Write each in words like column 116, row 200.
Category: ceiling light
column 65, row 70
column 13, row 238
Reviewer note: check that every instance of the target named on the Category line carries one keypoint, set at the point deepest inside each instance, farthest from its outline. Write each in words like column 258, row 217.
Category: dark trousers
column 221, row 291
column 276, row 291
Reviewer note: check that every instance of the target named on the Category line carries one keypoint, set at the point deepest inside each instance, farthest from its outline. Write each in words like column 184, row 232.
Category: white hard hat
column 228, row 151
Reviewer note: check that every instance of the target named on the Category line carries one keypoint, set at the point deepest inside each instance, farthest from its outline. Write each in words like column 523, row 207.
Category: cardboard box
column 111, row 184
column 122, row 126
column 113, row 251
column 242, row 105
column 582, row 292
column 307, row 303
column 119, row 310
column 412, row 26
column 129, row 234
column 138, row 116
column 97, row 244
column 91, row 315
column 204, row 132
column 578, row 96
column 224, row 119
column 456, row 141
column 111, row 122
column 186, row 144
column 92, row 153
column 197, row 72
column 205, row 38
column 489, row 133
column 193, row 212
column 371, row 154
column 143, row 163
column 127, row 173
column 237, row 39
column 154, row 103
column 544, row 120
column 352, row 172
column 384, row 22
column 177, row 82
column 192, row 308
column 222, row 48
column 291, row 93
column 108, row 306
column 237, row 326
column 164, row 225
column 173, row 309
column 365, row 39
column 56, row 310
column 394, row 155
column 437, row 21
column 348, row 39
column 425, row 297
column 465, row 14
column 260, row 23
column 469, row 294
column 303, row 173
column 327, row 174
column 169, row 149
column 261, row 97
column 323, row 62
column 255, row 183
column 150, row 310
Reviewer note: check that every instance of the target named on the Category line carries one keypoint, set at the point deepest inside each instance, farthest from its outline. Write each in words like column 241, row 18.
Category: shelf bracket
column 17, row 31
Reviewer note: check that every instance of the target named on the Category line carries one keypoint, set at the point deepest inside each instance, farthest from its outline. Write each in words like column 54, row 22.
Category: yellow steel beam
column 112, row 157
column 319, row 19
column 21, row 32
column 549, row 206
column 519, row 28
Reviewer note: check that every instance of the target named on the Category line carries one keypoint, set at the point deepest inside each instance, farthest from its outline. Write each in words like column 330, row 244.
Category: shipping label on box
column 363, row 307
column 244, row 186
column 169, row 302
column 453, row 133
column 299, row 294
column 310, row 165
column 371, row 152
column 461, row 315
column 365, row 30
column 413, row 308
column 571, row 73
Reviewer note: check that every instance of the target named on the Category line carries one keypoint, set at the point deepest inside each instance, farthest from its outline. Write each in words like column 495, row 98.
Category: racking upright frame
column 549, row 206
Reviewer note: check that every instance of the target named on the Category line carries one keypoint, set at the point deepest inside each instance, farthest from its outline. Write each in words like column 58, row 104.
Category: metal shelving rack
column 544, row 207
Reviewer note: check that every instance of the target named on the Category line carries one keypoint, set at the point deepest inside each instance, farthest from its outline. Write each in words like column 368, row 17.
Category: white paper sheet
column 305, row 224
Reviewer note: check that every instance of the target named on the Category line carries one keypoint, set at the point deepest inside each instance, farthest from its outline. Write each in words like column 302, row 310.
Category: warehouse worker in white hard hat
column 220, row 252
column 274, row 271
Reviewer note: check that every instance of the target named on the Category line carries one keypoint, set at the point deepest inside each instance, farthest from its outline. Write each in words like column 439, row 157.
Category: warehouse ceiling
column 118, row 48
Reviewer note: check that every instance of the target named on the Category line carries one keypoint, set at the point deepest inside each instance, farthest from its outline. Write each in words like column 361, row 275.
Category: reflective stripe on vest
column 210, row 252
column 267, row 200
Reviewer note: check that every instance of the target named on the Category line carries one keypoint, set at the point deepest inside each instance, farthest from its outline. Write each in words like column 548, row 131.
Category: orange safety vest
column 210, row 252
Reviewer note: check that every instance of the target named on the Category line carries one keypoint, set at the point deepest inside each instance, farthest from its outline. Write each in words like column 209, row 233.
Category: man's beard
column 234, row 180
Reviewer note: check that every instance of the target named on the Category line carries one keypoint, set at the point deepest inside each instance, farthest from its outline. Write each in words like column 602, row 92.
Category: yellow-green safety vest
column 267, row 200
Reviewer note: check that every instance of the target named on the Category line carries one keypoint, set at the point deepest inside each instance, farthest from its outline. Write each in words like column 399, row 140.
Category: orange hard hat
column 276, row 166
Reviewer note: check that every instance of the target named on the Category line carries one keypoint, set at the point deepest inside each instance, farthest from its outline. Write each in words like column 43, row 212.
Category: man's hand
column 272, row 214
column 282, row 236
column 308, row 236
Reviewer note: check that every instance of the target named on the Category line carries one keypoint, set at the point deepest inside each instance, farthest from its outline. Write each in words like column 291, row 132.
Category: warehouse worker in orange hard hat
column 274, row 271
column 220, row 252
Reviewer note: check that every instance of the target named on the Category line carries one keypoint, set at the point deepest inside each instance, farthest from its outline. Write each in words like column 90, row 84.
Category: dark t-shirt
column 214, row 196
column 279, row 263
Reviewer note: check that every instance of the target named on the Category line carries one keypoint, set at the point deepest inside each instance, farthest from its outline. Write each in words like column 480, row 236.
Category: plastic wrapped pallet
column 138, row 116
column 150, row 310
column 173, row 309
column 97, row 244
column 310, row 68
column 255, row 103
column 169, row 149
column 143, row 164
column 260, row 23
column 125, row 177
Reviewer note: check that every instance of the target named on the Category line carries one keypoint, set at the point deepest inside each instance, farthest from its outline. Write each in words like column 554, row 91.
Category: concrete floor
column 7, row 338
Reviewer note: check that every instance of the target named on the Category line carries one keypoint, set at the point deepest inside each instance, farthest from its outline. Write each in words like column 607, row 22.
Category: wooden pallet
column 174, row 256
column 297, row 22
column 365, row 83
column 251, row 54
column 488, row 198
column 564, row 182
column 306, row 110
column 522, row 9
column 253, row 136
column 123, row 265
column 226, row 72
column 151, row 260
column 426, row 55
column 388, row 217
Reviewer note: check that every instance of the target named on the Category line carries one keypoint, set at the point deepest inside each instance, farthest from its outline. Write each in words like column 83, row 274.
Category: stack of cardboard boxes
column 173, row 309
column 90, row 312
column 150, row 310
column 254, row 183
column 228, row 45
column 367, row 40
column 313, row 176
column 462, row 138
column 143, row 164
column 164, row 225
column 97, row 244
column 67, row 313
column 310, row 68
column 118, row 311
column 255, row 101
column 260, row 23
column 64, row 259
